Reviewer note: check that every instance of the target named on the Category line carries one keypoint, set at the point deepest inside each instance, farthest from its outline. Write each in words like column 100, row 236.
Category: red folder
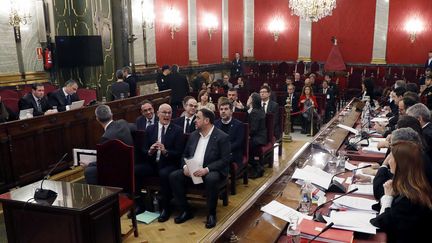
column 309, row 229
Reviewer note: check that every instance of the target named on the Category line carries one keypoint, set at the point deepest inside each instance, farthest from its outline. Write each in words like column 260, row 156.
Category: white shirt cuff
column 386, row 202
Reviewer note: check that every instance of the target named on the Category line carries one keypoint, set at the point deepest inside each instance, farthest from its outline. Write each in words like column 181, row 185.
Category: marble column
column 225, row 21
column 305, row 40
column 248, row 34
column 380, row 32
column 192, row 24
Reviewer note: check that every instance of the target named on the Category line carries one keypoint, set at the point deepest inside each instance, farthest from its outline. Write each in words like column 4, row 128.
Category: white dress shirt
column 201, row 147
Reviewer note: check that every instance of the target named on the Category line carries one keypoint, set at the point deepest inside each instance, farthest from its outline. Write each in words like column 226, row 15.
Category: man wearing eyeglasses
column 163, row 148
column 187, row 122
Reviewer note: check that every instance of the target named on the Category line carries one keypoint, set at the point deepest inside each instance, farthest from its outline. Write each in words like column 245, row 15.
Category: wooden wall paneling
column 5, row 160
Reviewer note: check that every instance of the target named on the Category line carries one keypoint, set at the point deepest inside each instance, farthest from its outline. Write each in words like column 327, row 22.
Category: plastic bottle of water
column 305, row 197
column 293, row 233
column 155, row 203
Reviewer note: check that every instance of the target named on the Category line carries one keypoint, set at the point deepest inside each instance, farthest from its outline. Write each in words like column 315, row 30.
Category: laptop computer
column 77, row 104
column 27, row 113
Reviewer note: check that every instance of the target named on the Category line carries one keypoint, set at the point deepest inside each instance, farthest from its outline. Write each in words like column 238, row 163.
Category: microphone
column 336, row 186
column 353, row 147
column 318, row 216
column 41, row 193
column 322, row 231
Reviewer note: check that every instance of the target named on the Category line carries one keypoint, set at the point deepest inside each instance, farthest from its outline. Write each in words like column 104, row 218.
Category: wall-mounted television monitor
column 79, row 51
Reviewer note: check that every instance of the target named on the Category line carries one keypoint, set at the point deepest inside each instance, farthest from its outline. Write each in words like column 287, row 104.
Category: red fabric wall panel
column 209, row 51
column 286, row 48
column 235, row 28
column 399, row 47
column 171, row 51
column 352, row 22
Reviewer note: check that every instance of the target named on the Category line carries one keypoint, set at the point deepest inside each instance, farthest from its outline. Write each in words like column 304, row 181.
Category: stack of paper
column 283, row 212
column 352, row 220
column 363, row 189
column 372, row 148
column 315, row 176
column 354, row 204
column 309, row 229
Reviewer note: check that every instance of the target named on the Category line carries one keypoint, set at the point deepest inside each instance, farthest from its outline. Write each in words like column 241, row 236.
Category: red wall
column 235, row 28
column 171, row 51
column 265, row 48
column 209, row 51
column 399, row 47
column 352, row 22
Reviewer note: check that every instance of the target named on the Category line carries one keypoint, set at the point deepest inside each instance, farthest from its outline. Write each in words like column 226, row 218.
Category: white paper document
column 355, row 203
column 192, row 167
column 355, row 221
column 282, row 211
column 349, row 166
column 363, row 189
column 383, row 120
column 350, row 129
column 315, row 176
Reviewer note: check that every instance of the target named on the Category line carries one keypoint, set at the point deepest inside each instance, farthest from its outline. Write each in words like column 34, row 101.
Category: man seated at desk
column 209, row 147
column 36, row 100
column 119, row 129
column 62, row 98
column 147, row 117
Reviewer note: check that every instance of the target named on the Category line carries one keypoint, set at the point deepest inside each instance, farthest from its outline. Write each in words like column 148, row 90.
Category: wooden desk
column 79, row 213
column 249, row 224
column 30, row 148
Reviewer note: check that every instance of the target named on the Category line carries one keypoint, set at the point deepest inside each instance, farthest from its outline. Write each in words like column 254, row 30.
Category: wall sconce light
column 19, row 13
column 148, row 15
column 413, row 27
column 173, row 19
column 275, row 27
column 211, row 23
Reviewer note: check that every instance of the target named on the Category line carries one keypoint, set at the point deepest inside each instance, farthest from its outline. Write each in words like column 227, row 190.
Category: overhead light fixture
column 413, row 27
column 312, row 10
column 276, row 26
column 211, row 23
column 19, row 13
column 173, row 18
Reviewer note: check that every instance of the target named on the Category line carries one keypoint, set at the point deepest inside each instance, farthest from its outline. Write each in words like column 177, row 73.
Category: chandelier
column 312, row 10
column 19, row 13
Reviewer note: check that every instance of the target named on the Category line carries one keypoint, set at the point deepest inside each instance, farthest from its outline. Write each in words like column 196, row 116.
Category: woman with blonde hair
column 203, row 101
column 406, row 207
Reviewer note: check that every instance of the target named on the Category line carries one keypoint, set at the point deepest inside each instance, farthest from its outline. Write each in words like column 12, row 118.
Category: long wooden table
column 30, row 148
column 249, row 224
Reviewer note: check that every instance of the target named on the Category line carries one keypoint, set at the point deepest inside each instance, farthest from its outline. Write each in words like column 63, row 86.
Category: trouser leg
column 178, row 184
column 212, row 182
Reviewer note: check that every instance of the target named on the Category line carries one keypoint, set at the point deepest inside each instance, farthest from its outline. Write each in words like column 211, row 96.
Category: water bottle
column 341, row 160
column 293, row 233
column 122, row 96
column 305, row 198
column 155, row 203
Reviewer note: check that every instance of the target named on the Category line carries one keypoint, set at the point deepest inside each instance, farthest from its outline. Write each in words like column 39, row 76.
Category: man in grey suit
column 210, row 147
column 119, row 129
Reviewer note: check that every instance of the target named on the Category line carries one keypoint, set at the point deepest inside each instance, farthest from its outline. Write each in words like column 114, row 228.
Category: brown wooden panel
column 5, row 161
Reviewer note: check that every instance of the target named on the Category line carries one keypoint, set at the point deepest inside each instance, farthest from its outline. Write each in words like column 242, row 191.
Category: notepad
column 147, row 217
column 355, row 221
column 355, row 203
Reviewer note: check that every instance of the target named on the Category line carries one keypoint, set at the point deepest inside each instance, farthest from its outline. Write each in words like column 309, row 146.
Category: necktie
column 68, row 100
column 264, row 106
column 149, row 122
column 163, row 134
column 187, row 125
column 39, row 105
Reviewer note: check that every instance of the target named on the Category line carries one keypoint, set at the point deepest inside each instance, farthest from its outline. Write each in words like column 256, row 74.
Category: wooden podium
column 79, row 213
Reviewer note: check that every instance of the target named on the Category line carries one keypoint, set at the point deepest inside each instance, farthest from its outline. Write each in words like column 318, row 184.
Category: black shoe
column 164, row 216
column 183, row 217
column 211, row 221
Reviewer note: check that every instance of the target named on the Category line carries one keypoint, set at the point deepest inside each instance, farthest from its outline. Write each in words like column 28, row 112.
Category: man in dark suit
column 63, row 97
column 120, row 89
column 130, row 79
column 422, row 113
column 162, row 78
column 147, row 117
column 36, row 100
column 179, row 86
column 232, row 95
column 293, row 98
column 237, row 66
column 209, row 147
column 235, row 130
column 428, row 63
column 270, row 106
column 330, row 108
column 164, row 147
column 187, row 122
column 119, row 129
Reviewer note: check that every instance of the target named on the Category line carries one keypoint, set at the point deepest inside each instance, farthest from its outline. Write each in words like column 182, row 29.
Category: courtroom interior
column 215, row 121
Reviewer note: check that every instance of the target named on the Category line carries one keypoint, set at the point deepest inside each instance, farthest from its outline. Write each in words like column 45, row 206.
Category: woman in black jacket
column 257, row 134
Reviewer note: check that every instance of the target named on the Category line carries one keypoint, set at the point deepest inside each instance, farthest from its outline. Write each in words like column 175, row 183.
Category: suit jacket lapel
column 210, row 144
